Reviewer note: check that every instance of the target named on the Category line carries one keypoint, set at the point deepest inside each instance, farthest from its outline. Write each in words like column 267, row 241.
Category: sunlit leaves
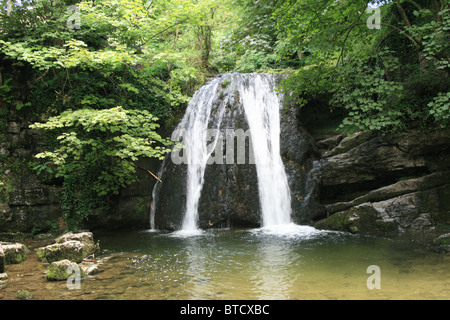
column 111, row 140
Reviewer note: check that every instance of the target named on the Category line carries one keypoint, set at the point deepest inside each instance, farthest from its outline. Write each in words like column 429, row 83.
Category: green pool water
column 249, row 264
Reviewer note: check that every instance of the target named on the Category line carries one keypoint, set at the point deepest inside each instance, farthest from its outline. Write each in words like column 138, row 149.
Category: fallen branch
column 150, row 173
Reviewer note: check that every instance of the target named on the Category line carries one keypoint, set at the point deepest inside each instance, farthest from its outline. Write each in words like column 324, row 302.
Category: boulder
column 14, row 252
column 89, row 267
column 442, row 242
column 71, row 246
column 62, row 270
column 358, row 219
column 85, row 237
column 24, row 295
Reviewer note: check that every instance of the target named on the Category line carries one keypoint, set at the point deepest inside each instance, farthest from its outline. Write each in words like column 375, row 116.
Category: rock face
column 71, row 246
column 362, row 183
column 298, row 151
column 371, row 182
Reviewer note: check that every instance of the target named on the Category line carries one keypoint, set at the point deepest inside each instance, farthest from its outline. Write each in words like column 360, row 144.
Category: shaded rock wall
column 374, row 182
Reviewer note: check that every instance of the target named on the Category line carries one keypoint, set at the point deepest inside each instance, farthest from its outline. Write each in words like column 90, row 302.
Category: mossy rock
column 71, row 246
column 358, row 219
column 71, row 250
column 14, row 252
column 337, row 221
column 443, row 242
column 62, row 270
column 24, row 295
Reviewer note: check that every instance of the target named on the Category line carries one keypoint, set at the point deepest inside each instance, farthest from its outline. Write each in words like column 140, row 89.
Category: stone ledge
column 394, row 190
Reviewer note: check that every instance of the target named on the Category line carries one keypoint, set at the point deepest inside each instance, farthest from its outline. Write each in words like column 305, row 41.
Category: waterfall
column 262, row 109
column 194, row 135
column 155, row 195
column 261, row 106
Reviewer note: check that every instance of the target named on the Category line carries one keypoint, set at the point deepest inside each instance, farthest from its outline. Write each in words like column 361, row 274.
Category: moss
column 41, row 255
column 58, row 270
column 24, row 295
column 356, row 220
column 57, row 274
column 226, row 82
column 16, row 256
column 337, row 221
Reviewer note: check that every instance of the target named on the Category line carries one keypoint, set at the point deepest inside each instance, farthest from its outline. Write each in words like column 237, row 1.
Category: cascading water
column 262, row 110
column 195, row 137
column 216, row 106
column 155, row 195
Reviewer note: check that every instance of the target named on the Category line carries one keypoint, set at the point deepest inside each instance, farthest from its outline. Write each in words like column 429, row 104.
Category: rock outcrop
column 372, row 182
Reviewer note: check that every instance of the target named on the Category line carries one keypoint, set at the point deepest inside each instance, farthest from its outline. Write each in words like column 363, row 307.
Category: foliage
column 107, row 141
column 395, row 78
column 100, row 65
column 440, row 107
column 369, row 98
column 97, row 155
column 135, row 54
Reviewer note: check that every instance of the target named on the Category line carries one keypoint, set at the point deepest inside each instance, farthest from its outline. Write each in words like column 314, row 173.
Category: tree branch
column 150, row 173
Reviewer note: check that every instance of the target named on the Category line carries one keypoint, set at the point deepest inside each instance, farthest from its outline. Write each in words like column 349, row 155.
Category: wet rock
column 71, row 246
column 299, row 152
column 328, row 142
column 361, row 218
column 89, row 267
column 61, row 270
column 14, row 252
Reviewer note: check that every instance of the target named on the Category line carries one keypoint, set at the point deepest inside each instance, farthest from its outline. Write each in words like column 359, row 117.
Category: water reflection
column 273, row 277
column 199, row 261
